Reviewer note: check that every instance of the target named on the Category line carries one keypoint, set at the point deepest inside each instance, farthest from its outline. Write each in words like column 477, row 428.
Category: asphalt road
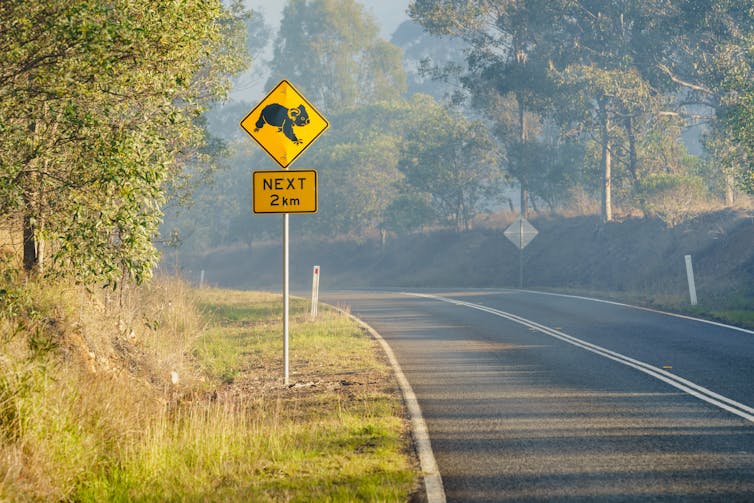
column 539, row 397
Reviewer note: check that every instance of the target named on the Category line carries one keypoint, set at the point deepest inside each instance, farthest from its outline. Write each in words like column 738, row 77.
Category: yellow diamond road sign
column 284, row 124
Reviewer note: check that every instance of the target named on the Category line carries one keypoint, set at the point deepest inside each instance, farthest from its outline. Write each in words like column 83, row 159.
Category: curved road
column 540, row 397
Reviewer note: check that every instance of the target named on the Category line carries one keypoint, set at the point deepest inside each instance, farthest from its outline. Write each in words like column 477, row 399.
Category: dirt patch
column 307, row 384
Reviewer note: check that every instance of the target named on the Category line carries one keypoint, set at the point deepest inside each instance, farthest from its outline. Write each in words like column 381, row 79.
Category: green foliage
column 359, row 165
column 616, row 72
column 446, row 17
column 738, row 118
column 587, row 97
column 98, row 108
column 359, row 159
column 331, row 51
column 511, row 45
column 548, row 167
column 453, row 160
column 395, row 165
column 601, row 69
column 409, row 212
column 712, row 62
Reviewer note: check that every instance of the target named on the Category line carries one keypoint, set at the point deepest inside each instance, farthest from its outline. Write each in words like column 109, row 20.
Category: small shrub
column 672, row 198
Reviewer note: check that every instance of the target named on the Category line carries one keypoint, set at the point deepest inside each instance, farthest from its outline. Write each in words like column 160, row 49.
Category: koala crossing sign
column 284, row 124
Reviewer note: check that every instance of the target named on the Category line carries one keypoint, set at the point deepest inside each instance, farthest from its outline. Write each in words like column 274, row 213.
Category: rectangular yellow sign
column 284, row 191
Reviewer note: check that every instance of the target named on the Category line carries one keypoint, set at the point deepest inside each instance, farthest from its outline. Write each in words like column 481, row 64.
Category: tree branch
column 682, row 82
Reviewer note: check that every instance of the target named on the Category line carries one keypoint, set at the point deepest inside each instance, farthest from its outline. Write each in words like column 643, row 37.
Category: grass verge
column 337, row 433
column 735, row 310
column 169, row 394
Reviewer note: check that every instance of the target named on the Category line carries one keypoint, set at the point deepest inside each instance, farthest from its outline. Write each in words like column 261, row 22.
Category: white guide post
column 690, row 276
column 315, row 291
column 286, row 293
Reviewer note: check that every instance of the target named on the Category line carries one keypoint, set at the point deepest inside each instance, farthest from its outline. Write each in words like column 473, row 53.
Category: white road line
column 640, row 308
column 680, row 383
column 432, row 479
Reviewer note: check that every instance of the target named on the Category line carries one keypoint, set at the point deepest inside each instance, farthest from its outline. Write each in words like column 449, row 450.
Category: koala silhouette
column 284, row 119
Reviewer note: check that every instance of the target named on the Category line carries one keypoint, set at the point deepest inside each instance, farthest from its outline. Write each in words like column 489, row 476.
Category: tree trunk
column 522, row 169
column 607, row 204
column 32, row 211
column 459, row 217
column 729, row 185
column 30, row 245
column 631, row 148
column 607, row 210
column 30, row 224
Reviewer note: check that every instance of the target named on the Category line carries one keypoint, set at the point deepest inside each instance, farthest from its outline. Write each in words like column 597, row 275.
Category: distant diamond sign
column 521, row 233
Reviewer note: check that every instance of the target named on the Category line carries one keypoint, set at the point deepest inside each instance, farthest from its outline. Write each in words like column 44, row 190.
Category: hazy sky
column 389, row 13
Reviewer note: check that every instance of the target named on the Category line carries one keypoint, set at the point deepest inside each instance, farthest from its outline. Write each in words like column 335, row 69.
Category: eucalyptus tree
column 400, row 165
column 600, row 67
column 590, row 64
column 358, row 161
column 452, row 160
column 331, row 51
column 511, row 44
column 617, row 93
column 738, row 118
column 708, row 55
column 98, row 109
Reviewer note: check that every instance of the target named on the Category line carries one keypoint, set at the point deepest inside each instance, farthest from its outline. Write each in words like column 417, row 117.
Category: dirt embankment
column 641, row 257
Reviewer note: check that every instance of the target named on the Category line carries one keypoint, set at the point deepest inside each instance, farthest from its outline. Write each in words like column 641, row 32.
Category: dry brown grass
column 82, row 375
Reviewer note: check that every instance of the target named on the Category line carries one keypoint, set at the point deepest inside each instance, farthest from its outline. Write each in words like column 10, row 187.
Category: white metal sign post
column 286, row 292
column 520, row 233
column 284, row 124
column 315, row 291
column 690, row 278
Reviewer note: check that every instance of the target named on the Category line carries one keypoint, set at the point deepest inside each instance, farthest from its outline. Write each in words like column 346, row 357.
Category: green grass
column 738, row 317
column 324, row 441
column 741, row 318
column 737, row 310
column 220, row 454
column 733, row 309
column 261, row 441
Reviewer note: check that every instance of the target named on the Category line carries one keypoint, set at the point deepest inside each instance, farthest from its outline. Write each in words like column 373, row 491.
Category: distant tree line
column 621, row 78
column 563, row 99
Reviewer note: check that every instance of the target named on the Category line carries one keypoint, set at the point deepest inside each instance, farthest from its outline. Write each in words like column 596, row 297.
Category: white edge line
column 432, row 479
column 649, row 309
